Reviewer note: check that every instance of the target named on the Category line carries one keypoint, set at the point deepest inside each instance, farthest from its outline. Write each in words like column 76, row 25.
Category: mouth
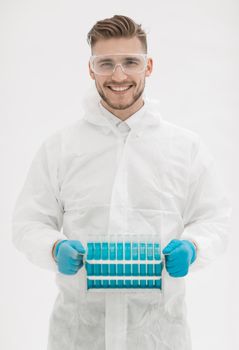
column 119, row 89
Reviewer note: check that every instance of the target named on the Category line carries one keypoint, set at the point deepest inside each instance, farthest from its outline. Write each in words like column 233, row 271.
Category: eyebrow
column 105, row 59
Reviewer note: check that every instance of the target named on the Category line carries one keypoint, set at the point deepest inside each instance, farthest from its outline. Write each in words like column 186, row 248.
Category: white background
column 44, row 74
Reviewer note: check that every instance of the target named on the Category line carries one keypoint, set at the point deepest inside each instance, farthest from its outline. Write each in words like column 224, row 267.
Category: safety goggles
column 129, row 63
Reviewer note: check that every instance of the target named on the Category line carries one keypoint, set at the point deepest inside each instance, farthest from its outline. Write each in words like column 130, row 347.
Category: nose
column 118, row 73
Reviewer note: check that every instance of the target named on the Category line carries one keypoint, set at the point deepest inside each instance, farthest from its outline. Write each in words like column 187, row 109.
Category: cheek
column 102, row 82
column 99, row 83
column 140, row 82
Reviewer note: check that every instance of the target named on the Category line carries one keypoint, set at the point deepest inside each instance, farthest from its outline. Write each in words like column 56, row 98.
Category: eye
column 131, row 62
column 105, row 64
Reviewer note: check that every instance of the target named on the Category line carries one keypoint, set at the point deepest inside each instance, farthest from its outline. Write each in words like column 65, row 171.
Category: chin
column 120, row 106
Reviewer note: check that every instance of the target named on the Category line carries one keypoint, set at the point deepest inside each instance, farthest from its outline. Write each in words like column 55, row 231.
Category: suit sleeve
column 207, row 209
column 38, row 214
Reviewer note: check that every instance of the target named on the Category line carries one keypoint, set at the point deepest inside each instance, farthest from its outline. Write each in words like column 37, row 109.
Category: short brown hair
column 116, row 27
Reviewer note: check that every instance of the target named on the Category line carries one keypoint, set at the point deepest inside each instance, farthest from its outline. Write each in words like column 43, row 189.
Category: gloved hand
column 179, row 255
column 67, row 255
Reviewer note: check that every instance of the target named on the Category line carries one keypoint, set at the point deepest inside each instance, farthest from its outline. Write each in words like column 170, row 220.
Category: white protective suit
column 142, row 176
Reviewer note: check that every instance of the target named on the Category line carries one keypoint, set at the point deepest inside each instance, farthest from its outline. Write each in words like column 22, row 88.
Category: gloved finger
column 181, row 273
column 75, row 262
column 171, row 246
column 172, row 265
column 178, row 250
column 74, row 254
column 74, row 269
column 68, row 271
column 78, row 247
column 174, row 270
column 171, row 257
column 81, row 264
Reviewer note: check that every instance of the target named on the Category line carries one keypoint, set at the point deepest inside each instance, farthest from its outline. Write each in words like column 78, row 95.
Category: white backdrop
column 43, row 69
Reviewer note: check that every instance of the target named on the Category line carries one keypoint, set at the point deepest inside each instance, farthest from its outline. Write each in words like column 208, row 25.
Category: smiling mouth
column 120, row 89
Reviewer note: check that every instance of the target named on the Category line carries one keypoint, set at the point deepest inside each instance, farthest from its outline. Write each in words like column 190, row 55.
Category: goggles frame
column 129, row 55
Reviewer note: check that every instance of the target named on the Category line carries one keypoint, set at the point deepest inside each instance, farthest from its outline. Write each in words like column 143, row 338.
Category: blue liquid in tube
column 135, row 267
column 157, row 267
column 105, row 267
column 112, row 266
column 97, row 267
column 150, row 271
column 127, row 266
column 120, row 269
column 142, row 256
column 89, row 266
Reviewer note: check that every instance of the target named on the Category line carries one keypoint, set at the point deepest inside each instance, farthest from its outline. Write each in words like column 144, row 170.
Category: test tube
column 135, row 267
column 105, row 267
column 120, row 270
column 142, row 256
column 127, row 266
column 97, row 267
column 112, row 266
column 158, row 266
column 150, row 266
column 89, row 265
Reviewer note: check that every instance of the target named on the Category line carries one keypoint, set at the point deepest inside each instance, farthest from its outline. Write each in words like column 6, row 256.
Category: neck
column 125, row 113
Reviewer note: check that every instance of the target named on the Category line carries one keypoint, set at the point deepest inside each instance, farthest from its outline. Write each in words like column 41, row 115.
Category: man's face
column 134, row 83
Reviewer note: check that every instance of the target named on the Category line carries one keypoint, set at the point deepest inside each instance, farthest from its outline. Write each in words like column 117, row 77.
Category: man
column 120, row 170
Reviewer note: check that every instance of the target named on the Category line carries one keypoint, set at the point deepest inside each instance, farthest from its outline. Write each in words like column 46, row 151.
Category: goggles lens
column 130, row 63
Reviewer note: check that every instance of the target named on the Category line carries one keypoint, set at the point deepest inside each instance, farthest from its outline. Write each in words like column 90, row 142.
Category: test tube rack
column 123, row 264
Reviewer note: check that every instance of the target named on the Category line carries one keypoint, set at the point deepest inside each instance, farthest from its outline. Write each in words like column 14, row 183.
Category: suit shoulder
column 180, row 132
column 63, row 133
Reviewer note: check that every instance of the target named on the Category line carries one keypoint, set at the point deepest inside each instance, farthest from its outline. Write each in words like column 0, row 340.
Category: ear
column 149, row 67
column 91, row 72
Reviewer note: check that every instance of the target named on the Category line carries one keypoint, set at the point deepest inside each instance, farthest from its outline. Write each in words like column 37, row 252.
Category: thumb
column 78, row 247
column 171, row 246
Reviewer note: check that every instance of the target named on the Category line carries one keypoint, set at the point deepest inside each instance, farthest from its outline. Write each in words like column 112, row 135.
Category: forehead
column 117, row 46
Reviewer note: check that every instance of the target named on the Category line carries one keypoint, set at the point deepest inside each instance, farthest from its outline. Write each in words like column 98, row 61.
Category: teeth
column 123, row 88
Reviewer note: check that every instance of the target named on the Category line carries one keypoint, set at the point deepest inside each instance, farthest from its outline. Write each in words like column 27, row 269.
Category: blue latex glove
column 68, row 258
column 179, row 255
